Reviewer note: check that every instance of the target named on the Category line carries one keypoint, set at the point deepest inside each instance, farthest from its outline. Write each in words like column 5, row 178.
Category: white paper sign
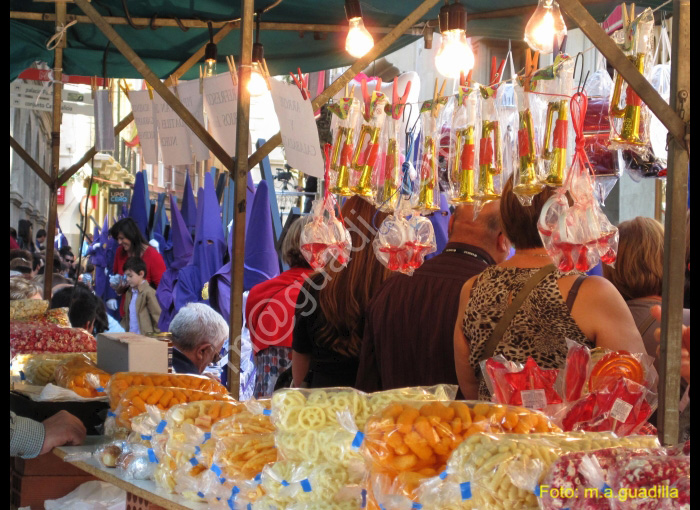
column 104, row 122
column 221, row 105
column 144, row 117
column 534, row 399
column 302, row 147
column 621, row 410
column 172, row 134
column 188, row 91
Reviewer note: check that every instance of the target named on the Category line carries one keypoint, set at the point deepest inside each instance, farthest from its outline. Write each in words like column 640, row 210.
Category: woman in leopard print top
column 597, row 317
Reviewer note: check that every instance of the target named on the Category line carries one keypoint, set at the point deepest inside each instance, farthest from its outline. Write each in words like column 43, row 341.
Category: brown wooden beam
column 30, row 161
column 673, row 283
column 615, row 57
column 239, row 178
column 55, row 151
column 162, row 90
column 380, row 47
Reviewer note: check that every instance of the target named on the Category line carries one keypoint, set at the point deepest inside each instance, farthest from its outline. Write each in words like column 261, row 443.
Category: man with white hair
column 199, row 333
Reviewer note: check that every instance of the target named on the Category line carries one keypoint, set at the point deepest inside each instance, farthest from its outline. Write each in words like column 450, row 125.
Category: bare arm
column 300, row 367
column 604, row 317
column 468, row 382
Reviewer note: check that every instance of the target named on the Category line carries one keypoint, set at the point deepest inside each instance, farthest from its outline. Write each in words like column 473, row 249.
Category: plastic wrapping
column 529, row 177
column 651, row 482
column 388, row 168
column 348, row 111
column 24, row 309
column 404, row 239
column 121, row 381
column 630, row 118
column 81, row 375
column 555, row 84
column 325, row 237
column 464, row 140
column 411, row 442
column 521, row 385
column 28, row 337
column 39, row 369
column 364, row 176
column 427, row 184
column 130, row 460
column 490, row 177
column 57, row 316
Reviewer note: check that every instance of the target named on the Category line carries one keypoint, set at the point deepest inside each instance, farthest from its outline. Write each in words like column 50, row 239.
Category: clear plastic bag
column 348, row 111
column 325, row 237
column 57, row 316
column 651, row 482
column 528, row 165
column 427, row 183
column 24, row 309
column 39, row 369
column 464, row 139
column 490, row 177
column 28, row 337
column 81, row 375
column 516, row 384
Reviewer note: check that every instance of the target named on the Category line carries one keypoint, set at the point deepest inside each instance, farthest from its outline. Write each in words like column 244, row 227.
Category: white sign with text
column 191, row 98
column 172, row 133
column 221, row 105
column 145, row 119
column 302, row 147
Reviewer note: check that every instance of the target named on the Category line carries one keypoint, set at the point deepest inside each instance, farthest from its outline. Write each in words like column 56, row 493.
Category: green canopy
column 164, row 49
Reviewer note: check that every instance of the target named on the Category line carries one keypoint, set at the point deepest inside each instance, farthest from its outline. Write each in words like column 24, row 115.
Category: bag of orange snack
column 81, row 375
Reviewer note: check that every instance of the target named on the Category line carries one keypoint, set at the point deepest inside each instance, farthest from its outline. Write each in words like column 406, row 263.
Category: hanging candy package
column 427, row 199
column 348, row 111
column 578, row 236
column 630, row 117
column 388, row 182
column 462, row 161
column 404, row 239
column 490, row 182
column 325, row 237
column 366, row 155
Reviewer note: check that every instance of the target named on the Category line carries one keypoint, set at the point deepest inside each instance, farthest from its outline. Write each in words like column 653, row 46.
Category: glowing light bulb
column 455, row 55
column 257, row 86
column 359, row 40
column 210, row 68
column 545, row 24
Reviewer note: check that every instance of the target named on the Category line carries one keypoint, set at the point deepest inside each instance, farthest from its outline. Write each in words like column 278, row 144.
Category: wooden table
column 145, row 489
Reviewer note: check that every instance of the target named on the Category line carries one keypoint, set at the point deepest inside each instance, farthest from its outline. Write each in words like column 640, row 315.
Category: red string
column 578, row 106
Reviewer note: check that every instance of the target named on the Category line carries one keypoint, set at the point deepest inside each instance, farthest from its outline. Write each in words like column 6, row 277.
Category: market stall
column 396, row 463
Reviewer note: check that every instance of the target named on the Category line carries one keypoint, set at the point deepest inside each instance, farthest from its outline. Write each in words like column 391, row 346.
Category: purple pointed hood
column 138, row 211
column 209, row 243
column 261, row 261
column 181, row 241
column 440, row 219
column 189, row 206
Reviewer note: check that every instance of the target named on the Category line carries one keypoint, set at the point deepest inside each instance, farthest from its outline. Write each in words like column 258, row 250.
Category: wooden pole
column 155, row 82
column 30, row 161
column 239, row 178
column 675, row 231
column 622, row 64
column 55, row 150
column 348, row 75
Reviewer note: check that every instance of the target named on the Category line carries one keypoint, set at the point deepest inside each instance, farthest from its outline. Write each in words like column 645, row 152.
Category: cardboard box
column 127, row 352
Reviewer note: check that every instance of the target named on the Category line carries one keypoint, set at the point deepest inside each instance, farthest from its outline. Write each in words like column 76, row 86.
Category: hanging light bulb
column 210, row 53
column 257, row 85
column 455, row 55
column 359, row 40
column 544, row 26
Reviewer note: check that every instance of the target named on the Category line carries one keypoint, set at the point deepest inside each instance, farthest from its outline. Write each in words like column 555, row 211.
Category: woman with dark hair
column 554, row 306
column 25, row 236
column 330, row 310
column 133, row 244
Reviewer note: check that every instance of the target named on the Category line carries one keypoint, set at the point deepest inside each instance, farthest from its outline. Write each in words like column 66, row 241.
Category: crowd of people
column 492, row 290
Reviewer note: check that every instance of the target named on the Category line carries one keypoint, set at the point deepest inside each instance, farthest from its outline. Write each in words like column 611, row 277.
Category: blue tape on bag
column 152, row 456
column 231, row 503
column 161, row 427
column 605, row 487
column 249, row 507
column 197, row 450
column 267, row 412
column 22, row 377
column 357, row 441
column 201, row 495
column 216, row 470
column 207, row 437
column 284, row 483
column 111, row 414
column 144, row 437
column 537, row 491
column 305, row 485
column 100, row 389
column 417, row 506
column 443, row 475
column 466, row 490
column 364, row 498
column 222, row 480
column 193, row 461
column 258, row 477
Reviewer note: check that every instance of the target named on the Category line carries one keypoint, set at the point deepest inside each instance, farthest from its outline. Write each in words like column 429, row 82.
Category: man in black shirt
column 408, row 335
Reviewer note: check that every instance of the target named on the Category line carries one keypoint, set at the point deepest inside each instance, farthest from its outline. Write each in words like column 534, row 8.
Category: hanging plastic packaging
column 629, row 120
column 490, row 180
column 577, row 236
column 389, row 171
column 464, row 140
column 348, row 111
column 528, row 180
column 660, row 79
column 428, row 197
column 325, row 237
column 404, row 239
column 366, row 156
column 525, row 385
column 556, row 85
